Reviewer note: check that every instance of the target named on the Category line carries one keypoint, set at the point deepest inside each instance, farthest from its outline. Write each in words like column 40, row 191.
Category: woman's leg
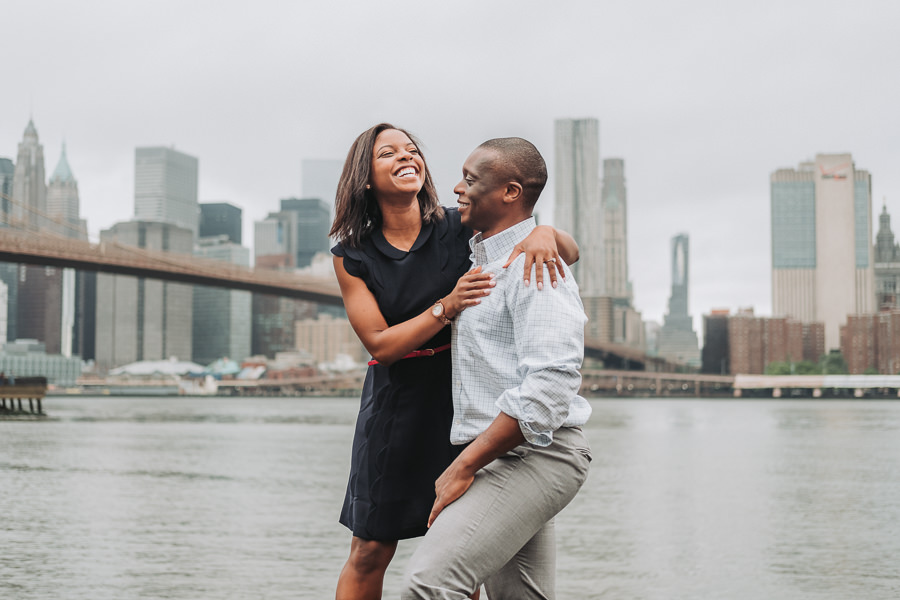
column 363, row 575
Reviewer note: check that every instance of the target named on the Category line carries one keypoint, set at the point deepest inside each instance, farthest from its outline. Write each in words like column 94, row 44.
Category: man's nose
column 460, row 188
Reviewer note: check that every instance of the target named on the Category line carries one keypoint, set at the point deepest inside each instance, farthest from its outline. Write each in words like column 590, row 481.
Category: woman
column 402, row 263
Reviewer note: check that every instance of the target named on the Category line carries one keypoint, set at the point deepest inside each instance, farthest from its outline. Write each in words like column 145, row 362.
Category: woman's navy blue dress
column 402, row 439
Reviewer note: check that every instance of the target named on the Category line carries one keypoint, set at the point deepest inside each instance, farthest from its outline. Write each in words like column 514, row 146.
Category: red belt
column 418, row 353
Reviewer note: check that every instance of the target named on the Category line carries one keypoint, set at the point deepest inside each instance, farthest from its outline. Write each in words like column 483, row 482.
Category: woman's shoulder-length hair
column 356, row 211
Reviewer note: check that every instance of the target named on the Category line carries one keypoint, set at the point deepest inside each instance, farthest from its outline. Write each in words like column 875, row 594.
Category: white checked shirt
column 519, row 351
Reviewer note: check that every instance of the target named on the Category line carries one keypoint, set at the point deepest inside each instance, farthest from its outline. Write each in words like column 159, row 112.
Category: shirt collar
column 501, row 244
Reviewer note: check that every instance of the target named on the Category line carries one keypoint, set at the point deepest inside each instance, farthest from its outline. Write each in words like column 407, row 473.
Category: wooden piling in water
column 31, row 389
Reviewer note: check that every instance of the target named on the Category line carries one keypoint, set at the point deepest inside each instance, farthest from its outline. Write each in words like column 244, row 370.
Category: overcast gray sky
column 702, row 98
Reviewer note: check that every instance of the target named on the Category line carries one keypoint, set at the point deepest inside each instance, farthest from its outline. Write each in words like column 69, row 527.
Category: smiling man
column 516, row 361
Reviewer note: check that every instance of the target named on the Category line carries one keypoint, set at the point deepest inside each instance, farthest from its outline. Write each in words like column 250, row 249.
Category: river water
column 215, row 498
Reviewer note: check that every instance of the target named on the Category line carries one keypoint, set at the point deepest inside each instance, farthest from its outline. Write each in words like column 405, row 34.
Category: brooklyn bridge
column 43, row 246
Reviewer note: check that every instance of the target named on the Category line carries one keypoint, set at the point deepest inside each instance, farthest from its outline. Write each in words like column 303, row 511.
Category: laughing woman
column 402, row 262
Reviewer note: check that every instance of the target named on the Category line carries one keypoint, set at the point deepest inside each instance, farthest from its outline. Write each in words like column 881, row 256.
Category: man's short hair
column 518, row 160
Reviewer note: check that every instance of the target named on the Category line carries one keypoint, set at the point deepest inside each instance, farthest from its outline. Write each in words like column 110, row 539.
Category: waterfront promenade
column 595, row 383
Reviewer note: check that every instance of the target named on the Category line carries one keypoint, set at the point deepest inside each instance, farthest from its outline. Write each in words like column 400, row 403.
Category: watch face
column 437, row 310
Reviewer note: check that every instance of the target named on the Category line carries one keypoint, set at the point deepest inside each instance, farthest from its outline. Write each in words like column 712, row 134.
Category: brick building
column 747, row 344
column 872, row 342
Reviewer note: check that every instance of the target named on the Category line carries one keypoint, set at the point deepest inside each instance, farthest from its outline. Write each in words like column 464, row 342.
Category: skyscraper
column 44, row 296
column 222, row 318
column 578, row 209
column 7, row 175
column 9, row 272
column 144, row 319
column 39, row 303
column 299, row 230
column 677, row 338
column 29, row 184
column 887, row 265
column 822, row 251
column 63, row 202
column 313, row 220
column 221, row 218
column 277, row 245
column 165, row 187
column 613, row 199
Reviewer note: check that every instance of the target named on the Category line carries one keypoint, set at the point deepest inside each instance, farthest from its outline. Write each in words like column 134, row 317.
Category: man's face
column 480, row 193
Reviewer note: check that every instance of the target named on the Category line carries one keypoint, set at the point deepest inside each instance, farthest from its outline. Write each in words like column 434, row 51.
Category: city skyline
column 63, row 159
column 701, row 110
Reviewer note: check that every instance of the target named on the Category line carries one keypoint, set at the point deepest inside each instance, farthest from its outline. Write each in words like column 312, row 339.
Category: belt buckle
column 428, row 352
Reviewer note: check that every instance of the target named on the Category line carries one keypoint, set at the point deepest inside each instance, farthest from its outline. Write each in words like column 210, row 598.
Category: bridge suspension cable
column 26, row 225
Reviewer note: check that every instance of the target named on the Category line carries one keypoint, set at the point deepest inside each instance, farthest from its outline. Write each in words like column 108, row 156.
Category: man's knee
column 427, row 583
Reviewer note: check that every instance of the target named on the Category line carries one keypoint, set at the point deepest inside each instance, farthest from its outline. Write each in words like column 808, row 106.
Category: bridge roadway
column 120, row 259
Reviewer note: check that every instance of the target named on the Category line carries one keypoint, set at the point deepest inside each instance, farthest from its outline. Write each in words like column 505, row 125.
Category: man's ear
column 513, row 192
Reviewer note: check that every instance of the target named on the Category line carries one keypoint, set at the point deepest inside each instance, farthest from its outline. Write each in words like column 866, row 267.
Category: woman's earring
column 368, row 187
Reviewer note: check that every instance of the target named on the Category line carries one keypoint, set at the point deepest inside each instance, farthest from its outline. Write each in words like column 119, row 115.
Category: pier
column 610, row 382
column 22, row 397
column 649, row 384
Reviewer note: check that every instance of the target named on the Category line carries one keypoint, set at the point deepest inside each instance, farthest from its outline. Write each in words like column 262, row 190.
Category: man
column 516, row 361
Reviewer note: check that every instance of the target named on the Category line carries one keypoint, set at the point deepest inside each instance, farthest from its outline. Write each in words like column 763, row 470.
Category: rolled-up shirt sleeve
column 549, row 338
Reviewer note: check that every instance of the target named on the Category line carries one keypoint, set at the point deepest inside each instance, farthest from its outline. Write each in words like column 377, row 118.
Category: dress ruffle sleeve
column 353, row 261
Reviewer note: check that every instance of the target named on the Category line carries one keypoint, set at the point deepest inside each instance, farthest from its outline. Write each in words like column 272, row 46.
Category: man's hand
column 452, row 484
column 501, row 436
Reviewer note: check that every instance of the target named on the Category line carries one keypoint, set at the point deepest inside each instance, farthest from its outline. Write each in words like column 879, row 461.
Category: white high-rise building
column 822, row 250
column 578, row 210
column 165, row 187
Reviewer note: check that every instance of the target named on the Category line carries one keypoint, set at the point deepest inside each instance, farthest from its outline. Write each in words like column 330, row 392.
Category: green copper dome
column 62, row 172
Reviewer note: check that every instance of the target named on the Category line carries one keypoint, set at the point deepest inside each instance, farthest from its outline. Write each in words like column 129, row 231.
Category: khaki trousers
column 501, row 532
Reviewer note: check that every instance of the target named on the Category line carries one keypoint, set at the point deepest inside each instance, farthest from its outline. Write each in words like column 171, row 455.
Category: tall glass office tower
column 578, row 210
column 221, row 218
column 165, row 187
column 822, row 251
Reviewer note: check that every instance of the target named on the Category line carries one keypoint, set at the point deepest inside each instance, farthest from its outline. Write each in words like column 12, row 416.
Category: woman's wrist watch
column 438, row 311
